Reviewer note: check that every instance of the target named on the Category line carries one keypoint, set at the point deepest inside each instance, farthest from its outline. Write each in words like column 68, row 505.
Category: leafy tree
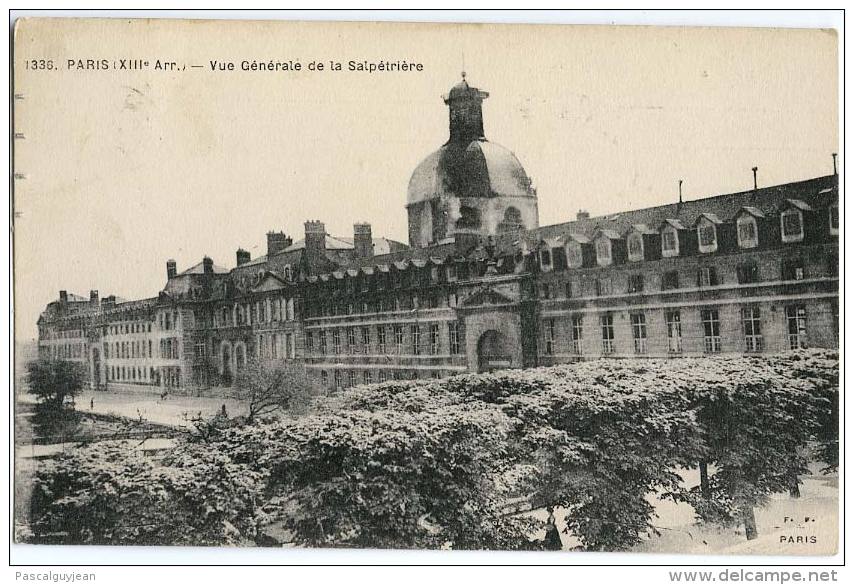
column 53, row 381
column 271, row 388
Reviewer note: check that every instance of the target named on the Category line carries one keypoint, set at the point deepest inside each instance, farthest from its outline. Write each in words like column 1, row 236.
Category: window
column 546, row 260
column 454, row 337
column 707, row 236
column 793, row 269
column 381, row 338
column 324, row 378
column 550, row 336
column 752, row 329
column 748, row 235
column 833, row 212
column 634, row 241
column 382, row 376
column 673, row 320
column 670, row 280
column 351, row 378
column 639, row 332
column 574, row 256
column 200, row 350
column 366, row 339
column 607, row 323
column 415, row 334
column 669, row 242
column 398, row 338
column 434, row 338
column 568, row 290
column 711, row 330
column 309, row 343
column 351, row 340
column 322, row 342
column 747, row 272
column 792, row 225
column 366, row 377
column 635, row 283
column 337, row 376
column 469, row 218
column 577, row 334
column 336, row 341
column 545, row 291
column 796, row 324
column 603, row 286
column 603, row 250
column 707, row 276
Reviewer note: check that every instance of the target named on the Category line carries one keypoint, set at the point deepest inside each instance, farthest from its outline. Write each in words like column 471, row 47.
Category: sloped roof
column 200, row 269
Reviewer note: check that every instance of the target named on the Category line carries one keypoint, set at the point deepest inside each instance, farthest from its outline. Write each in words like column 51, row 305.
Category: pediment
column 486, row 296
column 270, row 282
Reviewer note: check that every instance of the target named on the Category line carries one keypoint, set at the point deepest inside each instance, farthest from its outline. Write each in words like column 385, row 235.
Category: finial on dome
column 463, row 74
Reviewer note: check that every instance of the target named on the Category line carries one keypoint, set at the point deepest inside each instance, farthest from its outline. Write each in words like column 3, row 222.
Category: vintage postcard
column 426, row 286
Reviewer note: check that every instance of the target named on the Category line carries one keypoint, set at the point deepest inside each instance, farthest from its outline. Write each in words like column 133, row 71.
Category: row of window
column 382, row 304
column 746, row 273
column 166, row 376
column 169, row 320
column 125, row 328
column 139, row 348
column 413, row 339
column 63, row 334
column 66, row 350
column 276, row 346
column 347, row 378
column 264, row 311
column 747, row 235
column 751, row 327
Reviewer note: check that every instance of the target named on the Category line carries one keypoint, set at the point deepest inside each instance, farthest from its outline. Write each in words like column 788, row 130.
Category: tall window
column 603, row 286
column 793, row 269
column 550, row 336
column 398, row 338
column 639, row 332
column 545, row 260
column 796, row 325
column 748, row 235
column 607, row 323
column 366, row 377
column 434, row 338
column 415, row 334
column 792, row 225
column 747, row 272
column 382, row 376
column 707, row 236
column 603, row 250
column 574, row 256
column 635, row 283
column 707, row 276
column 673, row 319
column 322, row 342
column 336, row 341
column 351, row 378
column 634, row 242
column 669, row 242
column 577, row 334
column 752, row 329
column 381, row 338
column 336, row 374
column 351, row 340
column 366, row 339
column 711, row 330
column 454, row 337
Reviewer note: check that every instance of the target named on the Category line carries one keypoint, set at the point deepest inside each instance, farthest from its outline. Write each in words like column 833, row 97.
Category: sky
column 126, row 169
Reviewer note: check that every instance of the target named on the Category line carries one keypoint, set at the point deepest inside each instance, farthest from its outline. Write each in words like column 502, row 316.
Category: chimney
column 243, row 257
column 207, row 264
column 834, row 164
column 755, row 182
column 171, row 269
column 93, row 298
column 63, row 297
column 315, row 239
column 582, row 214
column 680, row 190
column 276, row 242
column 110, row 301
column 363, row 243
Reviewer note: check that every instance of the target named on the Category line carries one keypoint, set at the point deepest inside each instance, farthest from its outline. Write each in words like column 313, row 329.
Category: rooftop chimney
column 582, row 214
column 680, row 190
column 243, row 257
column 63, row 296
column 93, row 298
column 171, row 269
column 834, row 164
column 755, row 182
column 315, row 239
column 277, row 241
column 363, row 243
column 207, row 265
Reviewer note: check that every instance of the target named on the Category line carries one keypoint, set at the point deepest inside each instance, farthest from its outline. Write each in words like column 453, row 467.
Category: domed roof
column 476, row 169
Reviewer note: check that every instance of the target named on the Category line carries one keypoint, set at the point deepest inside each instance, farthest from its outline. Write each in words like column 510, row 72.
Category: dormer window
column 669, row 242
column 603, row 251
column 707, row 233
column 748, row 234
column 634, row 241
column 546, row 260
column 792, row 225
column 574, row 256
column 833, row 212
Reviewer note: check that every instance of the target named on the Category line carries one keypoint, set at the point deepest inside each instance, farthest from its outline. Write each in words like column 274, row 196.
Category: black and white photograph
column 548, row 289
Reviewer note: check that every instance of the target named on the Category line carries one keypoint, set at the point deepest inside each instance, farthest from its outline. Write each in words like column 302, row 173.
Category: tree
column 53, row 381
column 270, row 388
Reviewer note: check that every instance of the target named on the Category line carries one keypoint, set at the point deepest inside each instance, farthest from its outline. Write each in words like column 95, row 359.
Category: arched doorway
column 239, row 356
column 227, row 374
column 493, row 352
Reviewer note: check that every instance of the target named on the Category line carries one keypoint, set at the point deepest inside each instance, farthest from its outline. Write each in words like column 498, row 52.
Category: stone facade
column 741, row 273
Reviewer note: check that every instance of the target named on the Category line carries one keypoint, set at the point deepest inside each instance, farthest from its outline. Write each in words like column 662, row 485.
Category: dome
column 476, row 169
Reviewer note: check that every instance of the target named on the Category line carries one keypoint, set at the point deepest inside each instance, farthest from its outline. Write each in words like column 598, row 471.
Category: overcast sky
column 127, row 169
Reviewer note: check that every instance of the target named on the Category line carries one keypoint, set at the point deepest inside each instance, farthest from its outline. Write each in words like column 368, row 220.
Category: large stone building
column 480, row 286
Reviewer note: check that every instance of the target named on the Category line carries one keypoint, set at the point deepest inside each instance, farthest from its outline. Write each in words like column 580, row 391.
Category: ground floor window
column 711, row 330
column 796, row 325
column 752, row 326
column 673, row 320
column 607, row 324
column 639, row 332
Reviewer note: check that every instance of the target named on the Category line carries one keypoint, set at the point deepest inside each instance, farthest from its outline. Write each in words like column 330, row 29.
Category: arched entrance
column 493, row 352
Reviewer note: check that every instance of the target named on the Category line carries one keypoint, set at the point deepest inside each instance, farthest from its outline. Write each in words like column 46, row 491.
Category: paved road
column 174, row 410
